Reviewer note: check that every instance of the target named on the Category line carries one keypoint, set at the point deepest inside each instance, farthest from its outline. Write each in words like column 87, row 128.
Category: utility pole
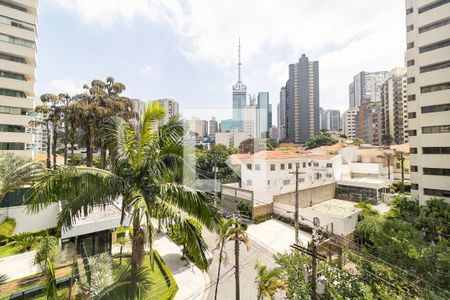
column 236, row 260
column 296, row 204
column 314, row 264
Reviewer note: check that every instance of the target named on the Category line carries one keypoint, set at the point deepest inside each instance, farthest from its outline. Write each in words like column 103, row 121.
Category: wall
column 44, row 219
column 316, row 195
column 262, row 210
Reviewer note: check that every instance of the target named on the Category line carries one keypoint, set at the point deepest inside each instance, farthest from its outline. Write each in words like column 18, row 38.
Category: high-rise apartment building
column 333, row 120
column 394, row 108
column 18, row 36
column 322, row 119
column 428, row 88
column 213, row 126
column 368, row 119
column 239, row 97
column 366, row 87
column 282, row 114
column 350, row 122
column 171, row 108
column 302, row 100
column 138, row 106
column 251, row 117
column 263, row 113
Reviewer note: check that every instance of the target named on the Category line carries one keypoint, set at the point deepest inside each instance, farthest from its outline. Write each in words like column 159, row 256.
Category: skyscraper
column 428, row 88
column 282, row 114
column 333, row 119
column 322, row 119
column 263, row 112
column 171, row 108
column 213, row 126
column 394, row 108
column 18, row 36
column 366, row 87
column 251, row 117
column 302, row 104
column 239, row 96
column 350, row 122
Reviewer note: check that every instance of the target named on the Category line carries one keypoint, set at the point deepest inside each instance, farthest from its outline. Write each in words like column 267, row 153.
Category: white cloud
column 68, row 86
column 345, row 36
column 145, row 70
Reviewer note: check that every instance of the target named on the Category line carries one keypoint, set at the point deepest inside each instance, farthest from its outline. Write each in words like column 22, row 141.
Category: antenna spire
column 239, row 60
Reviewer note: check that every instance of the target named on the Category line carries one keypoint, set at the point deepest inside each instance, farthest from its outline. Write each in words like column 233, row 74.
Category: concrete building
column 18, row 36
column 349, row 122
column 274, row 133
column 428, row 78
column 171, row 107
column 213, row 126
column 139, row 107
column 264, row 110
column 394, row 107
column 366, row 87
column 239, row 97
column 231, row 139
column 282, row 114
column 333, row 120
column 322, row 119
column 197, row 128
column 226, row 125
column 302, row 105
column 251, row 116
column 368, row 123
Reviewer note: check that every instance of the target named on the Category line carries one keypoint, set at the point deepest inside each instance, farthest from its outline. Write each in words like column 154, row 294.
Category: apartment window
column 309, row 164
column 436, row 171
column 257, row 167
column 397, row 165
column 410, row 62
column 11, row 128
column 436, row 129
column 410, row 45
column 412, row 132
column 300, row 180
column 434, row 25
column 316, row 164
column 13, row 6
column 12, row 93
column 329, row 165
column 12, row 75
column 411, row 115
column 435, row 192
column 413, row 168
column 272, row 167
column 11, row 110
column 304, row 165
column 286, row 182
column 410, row 80
column 268, row 182
column 17, row 23
column 249, row 182
column 282, row 166
column 435, row 87
column 12, row 146
column 413, row 150
column 249, row 166
column 290, row 166
column 435, row 108
column 415, row 186
column 435, row 67
column 12, row 58
column 436, row 150
column 432, row 5
column 409, row 28
column 409, row 10
column 434, row 46
column 16, row 41
column 411, row 97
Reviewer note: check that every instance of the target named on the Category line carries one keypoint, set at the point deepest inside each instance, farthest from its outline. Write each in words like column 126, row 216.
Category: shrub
column 245, row 208
column 260, row 219
column 6, row 229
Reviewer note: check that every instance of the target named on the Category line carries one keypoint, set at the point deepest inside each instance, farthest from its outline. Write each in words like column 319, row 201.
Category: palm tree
column 16, row 171
column 50, row 282
column 228, row 230
column 122, row 242
column 387, row 157
column 48, row 249
column 3, row 278
column 401, row 156
column 43, row 110
column 268, row 281
column 145, row 175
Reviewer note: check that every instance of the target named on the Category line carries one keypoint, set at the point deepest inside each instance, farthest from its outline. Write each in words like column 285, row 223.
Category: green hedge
column 260, row 219
column 7, row 229
column 173, row 288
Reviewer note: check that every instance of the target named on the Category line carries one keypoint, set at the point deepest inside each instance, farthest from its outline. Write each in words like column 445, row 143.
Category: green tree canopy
column 322, row 139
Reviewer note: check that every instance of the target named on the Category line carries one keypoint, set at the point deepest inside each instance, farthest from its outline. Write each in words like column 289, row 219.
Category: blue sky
column 187, row 50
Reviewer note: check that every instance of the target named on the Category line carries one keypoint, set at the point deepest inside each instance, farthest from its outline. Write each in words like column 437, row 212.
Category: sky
column 187, row 50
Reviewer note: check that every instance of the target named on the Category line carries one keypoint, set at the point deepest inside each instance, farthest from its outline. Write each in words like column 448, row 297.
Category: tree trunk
column 120, row 259
column 49, row 145
column 66, row 140
column 137, row 250
column 102, row 153
column 389, row 169
column 236, row 263
column 218, row 271
column 88, row 146
column 403, row 174
column 55, row 142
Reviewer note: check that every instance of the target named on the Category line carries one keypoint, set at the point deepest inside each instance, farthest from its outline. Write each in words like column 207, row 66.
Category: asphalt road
column 248, row 259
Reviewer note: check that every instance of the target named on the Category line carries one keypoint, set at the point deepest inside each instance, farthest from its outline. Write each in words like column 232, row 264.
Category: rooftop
column 278, row 154
column 336, row 207
column 401, row 148
column 367, row 182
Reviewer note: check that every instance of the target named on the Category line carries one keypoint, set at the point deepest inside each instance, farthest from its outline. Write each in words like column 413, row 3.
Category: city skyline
column 208, row 57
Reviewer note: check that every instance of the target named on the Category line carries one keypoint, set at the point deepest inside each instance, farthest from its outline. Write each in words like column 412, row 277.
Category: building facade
column 302, row 100
column 251, row 121
column 333, row 120
column 428, row 88
column 18, row 37
column 394, row 108
column 171, row 107
column 239, row 97
column 213, row 126
column 263, row 114
column 282, row 114
column 349, row 122
column 368, row 127
column 366, row 87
